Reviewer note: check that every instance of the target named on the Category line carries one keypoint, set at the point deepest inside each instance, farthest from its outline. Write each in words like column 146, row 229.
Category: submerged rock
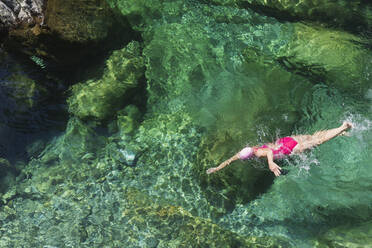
column 24, row 91
column 349, row 236
column 336, row 57
column 7, row 180
column 18, row 86
column 352, row 15
column 100, row 99
column 106, row 214
column 78, row 140
column 128, row 120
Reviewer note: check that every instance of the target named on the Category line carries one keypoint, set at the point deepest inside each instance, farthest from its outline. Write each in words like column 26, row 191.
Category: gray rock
column 7, row 16
column 13, row 12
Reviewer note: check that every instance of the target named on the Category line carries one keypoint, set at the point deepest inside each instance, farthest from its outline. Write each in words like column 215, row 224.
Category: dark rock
column 100, row 99
column 354, row 16
column 69, row 33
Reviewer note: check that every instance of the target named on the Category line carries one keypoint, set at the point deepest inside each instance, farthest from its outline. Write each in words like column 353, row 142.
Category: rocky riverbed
column 112, row 112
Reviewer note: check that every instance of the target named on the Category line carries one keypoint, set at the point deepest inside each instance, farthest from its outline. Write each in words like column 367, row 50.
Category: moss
column 347, row 236
column 73, row 146
column 336, row 57
column 176, row 227
column 24, row 91
column 100, row 99
column 128, row 120
column 354, row 16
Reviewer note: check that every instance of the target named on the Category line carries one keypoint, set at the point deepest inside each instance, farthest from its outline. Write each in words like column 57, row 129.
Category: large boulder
column 354, row 16
column 68, row 31
column 347, row 236
column 14, row 13
column 335, row 57
column 100, row 99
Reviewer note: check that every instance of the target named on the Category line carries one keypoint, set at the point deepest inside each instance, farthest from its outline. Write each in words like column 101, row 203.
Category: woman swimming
column 284, row 146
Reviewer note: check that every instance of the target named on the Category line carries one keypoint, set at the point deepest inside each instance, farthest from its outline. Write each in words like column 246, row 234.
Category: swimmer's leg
column 308, row 141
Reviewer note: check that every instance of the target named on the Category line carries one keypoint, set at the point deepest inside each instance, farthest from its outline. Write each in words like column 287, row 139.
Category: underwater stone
column 174, row 226
column 78, row 140
column 23, row 90
column 337, row 57
column 100, row 99
column 4, row 163
column 128, row 120
column 352, row 15
column 124, row 217
column 127, row 157
column 359, row 235
column 8, row 174
column 17, row 84
column 80, row 21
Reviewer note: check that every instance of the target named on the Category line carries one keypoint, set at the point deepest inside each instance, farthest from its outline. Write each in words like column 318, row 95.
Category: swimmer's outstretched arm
column 224, row 164
column 264, row 152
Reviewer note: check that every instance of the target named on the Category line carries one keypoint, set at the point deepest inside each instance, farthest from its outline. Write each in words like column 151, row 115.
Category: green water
column 217, row 78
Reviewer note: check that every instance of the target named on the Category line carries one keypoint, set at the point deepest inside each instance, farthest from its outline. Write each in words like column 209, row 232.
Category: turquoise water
column 326, row 187
column 217, row 78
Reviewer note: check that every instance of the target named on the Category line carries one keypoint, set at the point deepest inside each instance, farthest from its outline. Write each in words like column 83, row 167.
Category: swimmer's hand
column 347, row 125
column 211, row 170
column 275, row 168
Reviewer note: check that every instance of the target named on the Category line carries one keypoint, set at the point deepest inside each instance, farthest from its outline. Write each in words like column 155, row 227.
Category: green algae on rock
column 349, row 236
column 18, row 85
column 186, row 230
column 24, row 91
column 336, row 57
column 100, row 99
column 78, row 140
column 352, row 15
column 128, row 120
column 90, row 214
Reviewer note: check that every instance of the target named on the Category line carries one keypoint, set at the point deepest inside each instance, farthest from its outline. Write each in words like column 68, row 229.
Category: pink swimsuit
column 286, row 147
